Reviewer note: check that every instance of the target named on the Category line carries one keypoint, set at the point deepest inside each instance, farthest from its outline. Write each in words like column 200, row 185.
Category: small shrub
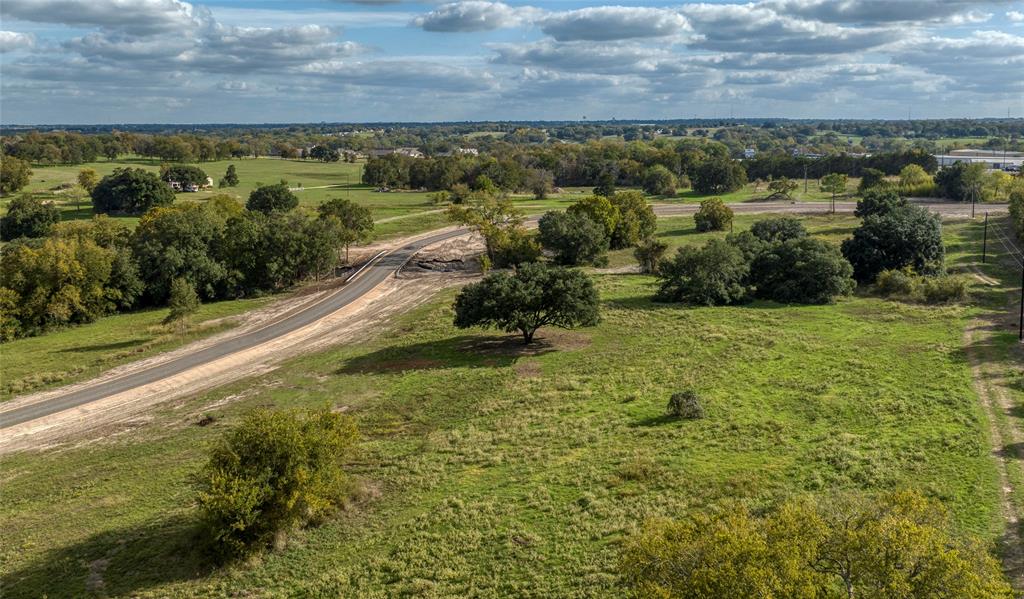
column 904, row 285
column 274, row 471
column 944, row 290
column 685, row 404
column 713, row 215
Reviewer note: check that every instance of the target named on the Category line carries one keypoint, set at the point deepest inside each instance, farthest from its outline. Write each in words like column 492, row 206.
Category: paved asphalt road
column 377, row 272
column 367, row 280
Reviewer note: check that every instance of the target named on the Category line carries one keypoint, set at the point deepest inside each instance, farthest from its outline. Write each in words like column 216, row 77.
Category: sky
column 274, row 61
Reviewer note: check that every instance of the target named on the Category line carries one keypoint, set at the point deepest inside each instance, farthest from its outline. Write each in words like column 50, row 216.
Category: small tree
column 573, row 237
column 649, row 255
column 536, row 295
column 879, row 201
column 15, row 173
column 230, row 177
column 606, row 183
column 870, row 177
column 28, row 216
column 685, row 404
column 712, row 275
column 658, row 180
column 88, row 179
column 130, row 191
column 713, row 215
column 356, row 221
column 802, row 270
column 834, row 183
column 274, row 471
column 909, row 236
column 182, row 304
column 718, row 175
column 636, row 222
column 271, row 198
column 539, row 182
column 778, row 229
column 600, row 210
column 913, row 175
column 185, row 174
column 486, row 215
column 782, row 188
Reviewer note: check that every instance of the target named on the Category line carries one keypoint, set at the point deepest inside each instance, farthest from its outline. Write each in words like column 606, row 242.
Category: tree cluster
column 85, row 269
column 892, row 235
column 584, row 233
column 776, row 260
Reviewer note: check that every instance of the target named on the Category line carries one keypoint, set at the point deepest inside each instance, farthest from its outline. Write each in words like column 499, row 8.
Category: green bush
column 899, row 545
column 906, row 236
column 715, row 274
column 28, row 216
column 274, row 471
column 574, row 238
column 649, row 254
column 905, row 285
column 713, row 215
column 1017, row 211
column 685, row 404
column 802, row 270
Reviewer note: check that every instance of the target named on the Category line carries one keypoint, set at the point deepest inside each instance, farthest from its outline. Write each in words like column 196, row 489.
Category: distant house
column 176, row 186
column 468, row 151
column 209, row 183
column 749, row 153
column 408, row 152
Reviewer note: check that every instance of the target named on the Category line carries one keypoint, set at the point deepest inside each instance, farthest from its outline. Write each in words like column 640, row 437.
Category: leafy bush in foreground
column 897, row 546
column 908, row 236
column 712, row 275
column 274, row 471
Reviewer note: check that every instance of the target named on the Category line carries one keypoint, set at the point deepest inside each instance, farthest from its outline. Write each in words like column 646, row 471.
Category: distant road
column 374, row 273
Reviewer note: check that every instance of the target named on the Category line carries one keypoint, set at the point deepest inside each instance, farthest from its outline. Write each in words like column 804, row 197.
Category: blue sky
column 136, row 61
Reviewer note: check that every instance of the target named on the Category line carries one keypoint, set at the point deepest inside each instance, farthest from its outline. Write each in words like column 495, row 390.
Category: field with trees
column 486, row 467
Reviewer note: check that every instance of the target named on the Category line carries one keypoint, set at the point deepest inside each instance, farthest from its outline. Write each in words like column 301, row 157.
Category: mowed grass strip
column 491, row 471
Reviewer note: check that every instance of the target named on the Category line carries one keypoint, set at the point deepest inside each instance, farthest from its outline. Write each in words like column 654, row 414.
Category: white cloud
column 1015, row 15
column 134, row 17
column 605, row 23
column 12, row 40
column 473, row 15
column 875, row 12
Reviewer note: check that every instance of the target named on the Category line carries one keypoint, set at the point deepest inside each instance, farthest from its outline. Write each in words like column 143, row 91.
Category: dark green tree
column 271, row 198
column 130, row 191
column 879, row 201
column 574, row 238
column 778, row 229
column 230, row 177
column 535, row 295
column 718, row 175
column 649, row 254
column 801, row 270
column 910, row 236
column 711, row 275
column 182, row 303
column 28, row 216
column 659, row 181
column 183, row 173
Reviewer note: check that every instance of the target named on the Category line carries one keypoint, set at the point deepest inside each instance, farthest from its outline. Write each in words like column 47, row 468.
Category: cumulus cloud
column 12, row 40
column 756, row 28
column 986, row 62
column 135, row 17
column 605, row 23
column 1015, row 16
column 875, row 12
column 596, row 58
column 473, row 15
column 401, row 73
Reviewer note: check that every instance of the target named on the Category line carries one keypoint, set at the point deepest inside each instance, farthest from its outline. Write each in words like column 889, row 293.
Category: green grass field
column 491, row 471
column 76, row 353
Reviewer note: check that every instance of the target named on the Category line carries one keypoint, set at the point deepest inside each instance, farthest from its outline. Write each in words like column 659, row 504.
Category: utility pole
column 805, row 178
column 984, row 240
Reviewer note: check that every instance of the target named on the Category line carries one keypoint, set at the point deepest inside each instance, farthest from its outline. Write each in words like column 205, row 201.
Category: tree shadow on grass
column 651, row 421
column 463, row 351
column 124, row 561
column 103, row 346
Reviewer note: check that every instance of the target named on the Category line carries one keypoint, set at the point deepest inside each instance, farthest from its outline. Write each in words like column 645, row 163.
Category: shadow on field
column 124, row 561
column 103, row 346
column 464, row 351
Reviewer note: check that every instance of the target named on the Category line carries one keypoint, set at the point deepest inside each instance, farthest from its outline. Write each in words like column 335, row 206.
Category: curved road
column 374, row 273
